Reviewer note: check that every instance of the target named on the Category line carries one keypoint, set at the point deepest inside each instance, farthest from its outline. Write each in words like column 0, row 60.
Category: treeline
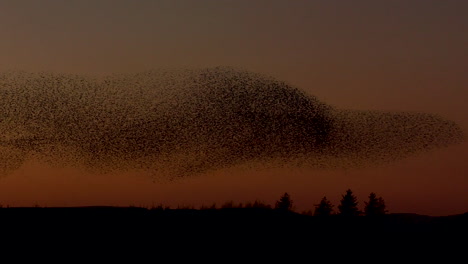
column 348, row 206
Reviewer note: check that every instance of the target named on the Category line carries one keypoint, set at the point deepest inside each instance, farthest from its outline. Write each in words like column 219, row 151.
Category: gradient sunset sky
column 399, row 55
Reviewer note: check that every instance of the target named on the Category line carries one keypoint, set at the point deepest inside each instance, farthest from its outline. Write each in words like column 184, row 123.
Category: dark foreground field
column 223, row 234
column 137, row 220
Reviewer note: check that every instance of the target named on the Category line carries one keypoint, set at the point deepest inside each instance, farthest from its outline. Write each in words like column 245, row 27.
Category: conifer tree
column 285, row 203
column 324, row 208
column 375, row 206
column 348, row 204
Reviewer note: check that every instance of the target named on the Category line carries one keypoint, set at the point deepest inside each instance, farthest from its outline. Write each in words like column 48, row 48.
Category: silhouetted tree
column 324, row 208
column 257, row 204
column 285, row 203
column 348, row 204
column 228, row 204
column 375, row 206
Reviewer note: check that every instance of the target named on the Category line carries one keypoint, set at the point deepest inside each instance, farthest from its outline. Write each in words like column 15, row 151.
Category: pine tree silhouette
column 285, row 203
column 348, row 204
column 375, row 206
column 324, row 208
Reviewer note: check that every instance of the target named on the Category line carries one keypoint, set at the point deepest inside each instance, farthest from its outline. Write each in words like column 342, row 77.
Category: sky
column 362, row 55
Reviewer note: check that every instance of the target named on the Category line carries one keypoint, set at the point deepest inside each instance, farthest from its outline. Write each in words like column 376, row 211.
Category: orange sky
column 397, row 56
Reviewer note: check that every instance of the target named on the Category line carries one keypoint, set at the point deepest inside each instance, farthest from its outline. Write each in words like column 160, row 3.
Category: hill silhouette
column 223, row 220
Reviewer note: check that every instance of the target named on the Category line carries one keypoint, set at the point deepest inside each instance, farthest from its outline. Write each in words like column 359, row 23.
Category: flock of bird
column 181, row 122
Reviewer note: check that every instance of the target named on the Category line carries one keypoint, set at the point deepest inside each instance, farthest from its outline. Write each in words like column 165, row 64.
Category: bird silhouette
column 182, row 122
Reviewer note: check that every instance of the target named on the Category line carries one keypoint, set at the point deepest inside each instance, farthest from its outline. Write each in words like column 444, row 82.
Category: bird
column 181, row 122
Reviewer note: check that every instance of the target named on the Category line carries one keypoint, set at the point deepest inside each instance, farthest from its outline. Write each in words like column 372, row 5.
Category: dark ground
column 137, row 219
column 241, row 234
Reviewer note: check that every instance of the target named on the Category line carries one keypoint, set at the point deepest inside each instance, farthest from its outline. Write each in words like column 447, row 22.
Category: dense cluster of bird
column 179, row 122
